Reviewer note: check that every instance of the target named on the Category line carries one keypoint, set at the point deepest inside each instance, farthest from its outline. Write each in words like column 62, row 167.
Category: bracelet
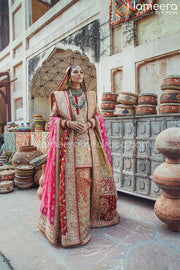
column 67, row 123
column 89, row 123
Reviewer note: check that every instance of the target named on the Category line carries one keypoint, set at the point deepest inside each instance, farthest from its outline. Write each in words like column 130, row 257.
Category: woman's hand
column 78, row 126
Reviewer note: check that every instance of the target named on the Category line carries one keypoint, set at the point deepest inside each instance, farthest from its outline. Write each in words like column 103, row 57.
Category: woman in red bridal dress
column 79, row 189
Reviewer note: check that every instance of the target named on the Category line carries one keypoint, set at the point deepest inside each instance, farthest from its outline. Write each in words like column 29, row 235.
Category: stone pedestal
column 167, row 177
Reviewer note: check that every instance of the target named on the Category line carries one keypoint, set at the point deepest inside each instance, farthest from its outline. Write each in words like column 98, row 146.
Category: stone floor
column 139, row 242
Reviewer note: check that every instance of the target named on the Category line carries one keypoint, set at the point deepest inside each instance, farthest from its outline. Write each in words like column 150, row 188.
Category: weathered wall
column 120, row 55
column 161, row 24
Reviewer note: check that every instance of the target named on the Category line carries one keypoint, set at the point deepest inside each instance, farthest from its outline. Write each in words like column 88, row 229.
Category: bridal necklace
column 76, row 93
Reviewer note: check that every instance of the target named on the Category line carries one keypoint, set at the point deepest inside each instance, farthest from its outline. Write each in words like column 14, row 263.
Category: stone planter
column 167, row 177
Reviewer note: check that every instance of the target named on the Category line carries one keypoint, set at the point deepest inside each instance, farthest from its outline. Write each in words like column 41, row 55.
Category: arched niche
column 117, row 80
column 49, row 76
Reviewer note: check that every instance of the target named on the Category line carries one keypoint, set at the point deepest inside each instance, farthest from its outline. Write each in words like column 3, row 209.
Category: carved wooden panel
column 135, row 157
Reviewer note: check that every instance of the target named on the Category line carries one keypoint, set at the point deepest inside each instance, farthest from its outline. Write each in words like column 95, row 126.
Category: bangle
column 67, row 123
column 89, row 123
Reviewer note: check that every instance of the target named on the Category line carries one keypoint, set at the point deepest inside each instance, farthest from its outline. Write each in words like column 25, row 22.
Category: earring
column 69, row 82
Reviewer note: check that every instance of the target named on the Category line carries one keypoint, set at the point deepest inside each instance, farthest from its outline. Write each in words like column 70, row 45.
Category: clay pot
column 108, row 105
column 123, row 110
column 147, row 98
column 167, row 177
column 171, row 82
column 41, row 181
column 146, row 109
column 6, row 186
column 168, row 144
column 127, row 98
column 108, row 113
column 8, row 175
column 168, row 211
column 108, row 96
column 169, row 108
column 170, row 96
column 37, row 176
column 24, row 155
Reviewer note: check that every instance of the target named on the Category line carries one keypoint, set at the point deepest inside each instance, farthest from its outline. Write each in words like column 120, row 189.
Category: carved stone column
column 167, row 177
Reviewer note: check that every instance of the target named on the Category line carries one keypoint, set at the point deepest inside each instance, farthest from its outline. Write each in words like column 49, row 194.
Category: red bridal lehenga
column 79, row 190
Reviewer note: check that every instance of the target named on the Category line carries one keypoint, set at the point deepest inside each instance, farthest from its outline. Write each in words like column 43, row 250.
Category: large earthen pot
column 24, row 155
column 168, row 144
column 168, row 211
column 167, row 177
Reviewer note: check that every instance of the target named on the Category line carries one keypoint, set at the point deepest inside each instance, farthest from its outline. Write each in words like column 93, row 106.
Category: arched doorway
column 5, row 106
column 49, row 76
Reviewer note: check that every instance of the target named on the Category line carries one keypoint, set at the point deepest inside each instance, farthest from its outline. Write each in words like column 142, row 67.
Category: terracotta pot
column 108, row 113
column 169, row 108
column 108, row 96
column 171, row 82
column 168, row 211
column 168, row 144
column 108, row 105
column 24, row 155
column 37, row 176
column 170, row 96
column 127, row 98
column 8, row 175
column 146, row 109
column 167, row 177
column 123, row 110
column 41, row 181
column 147, row 98
column 6, row 186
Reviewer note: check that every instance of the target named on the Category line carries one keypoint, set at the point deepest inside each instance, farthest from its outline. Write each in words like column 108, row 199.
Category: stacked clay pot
column 39, row 123
column 167, row 177
column 147, row 103
column 7, row 183
column 126, row 101
column 24, row 176
column 170, row 97
column 6, row 186
column 108, row 104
